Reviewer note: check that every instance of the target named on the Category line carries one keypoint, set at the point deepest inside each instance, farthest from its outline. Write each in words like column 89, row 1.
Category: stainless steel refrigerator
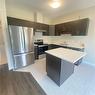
column 22, row 45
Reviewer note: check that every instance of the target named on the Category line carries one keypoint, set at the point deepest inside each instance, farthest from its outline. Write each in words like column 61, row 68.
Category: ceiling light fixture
column 55, row 4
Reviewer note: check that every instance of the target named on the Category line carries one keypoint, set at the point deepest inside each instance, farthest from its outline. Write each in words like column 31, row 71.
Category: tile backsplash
column 79, row 40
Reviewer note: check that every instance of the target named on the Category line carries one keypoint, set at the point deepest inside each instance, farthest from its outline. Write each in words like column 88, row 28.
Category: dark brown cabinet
column 82, row 27
column 35, row 25
column 57, row 69
column 64, row 28
column 51, row 30
column 75, row 28
column 53, row 46
column 20, row 22
column 42, row 27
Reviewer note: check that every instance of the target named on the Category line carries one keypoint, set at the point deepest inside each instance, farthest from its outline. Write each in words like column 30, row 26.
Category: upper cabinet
column 40, row 27
column 51, row 30
column 75, row 28
column 20, row 22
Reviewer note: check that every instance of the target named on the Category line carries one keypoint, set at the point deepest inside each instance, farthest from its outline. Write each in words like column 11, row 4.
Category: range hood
column 36, row 16
column 38, row 30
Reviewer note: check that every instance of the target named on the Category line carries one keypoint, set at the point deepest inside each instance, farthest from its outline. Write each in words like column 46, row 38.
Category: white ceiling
column 42, row 6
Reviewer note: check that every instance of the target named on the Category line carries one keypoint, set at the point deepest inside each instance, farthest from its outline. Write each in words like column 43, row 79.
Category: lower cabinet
column 53, row 46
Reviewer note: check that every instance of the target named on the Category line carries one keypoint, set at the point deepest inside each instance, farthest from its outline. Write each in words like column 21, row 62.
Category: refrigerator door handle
column 23, row 39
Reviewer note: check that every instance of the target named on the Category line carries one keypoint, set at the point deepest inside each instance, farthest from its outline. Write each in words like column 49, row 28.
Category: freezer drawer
column 23, row 60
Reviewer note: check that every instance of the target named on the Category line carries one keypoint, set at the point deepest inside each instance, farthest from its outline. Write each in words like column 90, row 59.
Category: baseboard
column 89, row 63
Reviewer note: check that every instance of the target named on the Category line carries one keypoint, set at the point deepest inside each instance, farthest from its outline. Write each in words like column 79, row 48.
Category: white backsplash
column 76, row 41
column 38, row 35
column 71, row 40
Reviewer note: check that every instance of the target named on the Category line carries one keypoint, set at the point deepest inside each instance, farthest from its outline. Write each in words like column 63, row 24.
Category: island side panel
column 57, row 69
column 67, row 69
column 53, row 68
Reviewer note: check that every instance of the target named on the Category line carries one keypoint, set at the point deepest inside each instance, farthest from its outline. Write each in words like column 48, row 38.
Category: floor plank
column 81, row 82
column 18, row 83
column 4, row 67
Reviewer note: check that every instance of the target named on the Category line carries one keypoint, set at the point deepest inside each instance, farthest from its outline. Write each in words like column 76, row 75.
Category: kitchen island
column 60, row 63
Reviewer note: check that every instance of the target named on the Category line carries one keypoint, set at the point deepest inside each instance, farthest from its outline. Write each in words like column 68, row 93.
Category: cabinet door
column 76, row 28
column 83, row 26
column 51, row 30
column 43, row 27
column 66, row 28
column 80, row 27
column 58, row 29
column 20, row 22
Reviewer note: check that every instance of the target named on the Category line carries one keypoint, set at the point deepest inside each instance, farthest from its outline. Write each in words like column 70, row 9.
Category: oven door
column 42, row 49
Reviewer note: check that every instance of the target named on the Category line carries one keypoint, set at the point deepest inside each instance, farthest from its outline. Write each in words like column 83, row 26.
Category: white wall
column 88, row 40
column 6, row 45
column 14, row 10
column 3, row 58
column 21, row 11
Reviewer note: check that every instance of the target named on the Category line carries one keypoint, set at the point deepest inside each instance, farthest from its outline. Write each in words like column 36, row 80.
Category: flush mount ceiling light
column 55, row 3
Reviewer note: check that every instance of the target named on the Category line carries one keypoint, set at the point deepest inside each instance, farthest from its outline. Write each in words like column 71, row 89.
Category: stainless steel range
column 40, row 48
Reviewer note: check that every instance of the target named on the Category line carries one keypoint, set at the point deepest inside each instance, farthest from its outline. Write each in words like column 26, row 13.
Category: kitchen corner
column 65, row 41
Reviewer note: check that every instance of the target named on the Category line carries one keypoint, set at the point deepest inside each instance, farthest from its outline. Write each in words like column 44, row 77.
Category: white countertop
column 67, row 54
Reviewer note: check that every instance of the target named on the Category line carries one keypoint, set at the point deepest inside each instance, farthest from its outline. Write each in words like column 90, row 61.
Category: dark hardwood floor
column 18, row 83
column 4, row 67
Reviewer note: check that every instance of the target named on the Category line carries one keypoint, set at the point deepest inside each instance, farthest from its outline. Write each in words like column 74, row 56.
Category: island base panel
column 58, row 70
column 67, row 69
column 53, row 65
